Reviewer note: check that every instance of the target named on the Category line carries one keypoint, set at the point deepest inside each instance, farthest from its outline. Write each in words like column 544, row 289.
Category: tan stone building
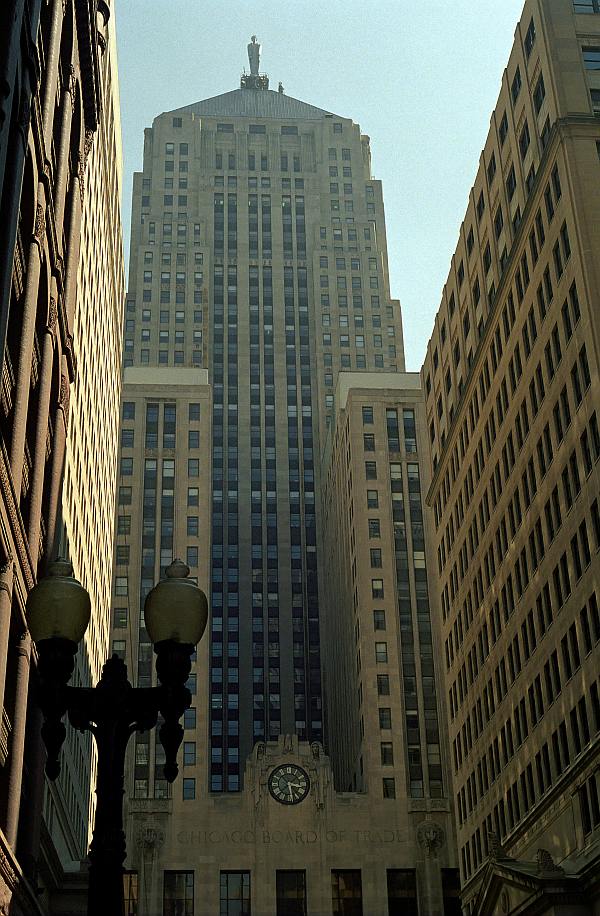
column 332, row 852
column 258, row 253
column 381, row 657
column 511, row 382
column 87, row 502
column 165, row 438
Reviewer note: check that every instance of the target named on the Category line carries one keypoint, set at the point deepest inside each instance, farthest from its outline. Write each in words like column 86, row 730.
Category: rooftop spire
column 254, row 80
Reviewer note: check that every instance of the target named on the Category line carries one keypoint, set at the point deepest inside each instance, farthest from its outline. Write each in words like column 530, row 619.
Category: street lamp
column 58, row 612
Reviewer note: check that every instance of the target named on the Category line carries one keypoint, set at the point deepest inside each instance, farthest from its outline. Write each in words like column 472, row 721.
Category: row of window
column 580, row 383
column 568, row 740
column 291, row 892
column 524, row 141
column 578, row 641
column 564, row 572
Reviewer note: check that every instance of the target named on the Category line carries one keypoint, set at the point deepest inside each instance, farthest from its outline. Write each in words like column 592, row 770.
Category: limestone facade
column 511, row 381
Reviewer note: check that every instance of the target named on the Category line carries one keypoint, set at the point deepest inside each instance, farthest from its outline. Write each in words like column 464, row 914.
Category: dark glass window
column 402, row 892
column 291, row 893
column 235, row 893
column 451, row 891
column 178, row 893
column 346, row 892
column 130, row 892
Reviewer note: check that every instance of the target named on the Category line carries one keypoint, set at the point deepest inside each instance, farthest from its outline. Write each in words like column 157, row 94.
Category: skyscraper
column 511, row 382
column 259, row 266
column 259, row 252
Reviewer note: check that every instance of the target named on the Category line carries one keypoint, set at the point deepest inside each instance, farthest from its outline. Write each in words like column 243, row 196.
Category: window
column 586, row 6
column 377, row 588
column 524, row 140
column 381, row 652
column 178, row 893
column 402, row 891
column 130, row 892
column 591, row 58
column 516, row 86
column 529, row 38
column 385, row 717
column 511, row 183
column 389, row 787
column 235, row 893
column 346, row 892
column 367, row 415
column 369, row 442
column 539, row 94
column 189, row 753
column 383, row 687
column 374, row 528
column 291, row 893
column 189, row 788
column 503, row 129
column 379, row 620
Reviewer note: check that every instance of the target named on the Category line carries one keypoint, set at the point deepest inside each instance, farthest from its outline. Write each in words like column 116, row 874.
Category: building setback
column 381, row 698
column 511, row 382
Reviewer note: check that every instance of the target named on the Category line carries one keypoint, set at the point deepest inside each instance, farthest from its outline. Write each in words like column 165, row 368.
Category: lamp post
column 58, row 612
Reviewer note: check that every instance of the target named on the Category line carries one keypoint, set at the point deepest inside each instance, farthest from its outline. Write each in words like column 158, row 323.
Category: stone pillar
column 6, row 586
column 15, row 762
column 17, row 133
column 52, row 72
column 23, row 371
column 61, row 423
column 31, row 816
column 62, row 165
column 75, row 205
column 44, row 412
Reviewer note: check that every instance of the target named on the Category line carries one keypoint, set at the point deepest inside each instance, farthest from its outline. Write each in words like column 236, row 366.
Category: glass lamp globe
column 58, row 606
column 176, row 608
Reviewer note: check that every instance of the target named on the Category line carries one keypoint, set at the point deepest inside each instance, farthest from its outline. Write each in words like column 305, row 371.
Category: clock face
column 289, row 784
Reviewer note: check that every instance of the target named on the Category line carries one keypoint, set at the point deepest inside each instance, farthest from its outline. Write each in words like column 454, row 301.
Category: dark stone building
column 49, row 110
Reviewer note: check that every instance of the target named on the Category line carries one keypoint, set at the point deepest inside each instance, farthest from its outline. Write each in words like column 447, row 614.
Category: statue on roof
column 254, row 56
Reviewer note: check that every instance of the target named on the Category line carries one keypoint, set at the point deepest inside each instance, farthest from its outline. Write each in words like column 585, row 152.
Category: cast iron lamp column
column 58, row 612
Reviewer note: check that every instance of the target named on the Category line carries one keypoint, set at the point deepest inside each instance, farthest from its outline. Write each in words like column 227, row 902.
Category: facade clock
column 289, row 784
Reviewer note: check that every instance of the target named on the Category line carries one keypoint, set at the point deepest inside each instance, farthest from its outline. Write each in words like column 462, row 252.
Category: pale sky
column 420, row 79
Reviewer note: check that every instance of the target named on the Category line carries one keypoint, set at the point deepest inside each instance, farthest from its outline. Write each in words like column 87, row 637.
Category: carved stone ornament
column 52, row 314
column 15, row 522
column 430, row 837
column 288, row 745
column 24, row 114
column 39, row 231
column 494, row 847
column 545, row 862
column 87, row 143
column 149, row 838
column 72, row 86
column 64, row 396
column 81, row 176
column 7, row 565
